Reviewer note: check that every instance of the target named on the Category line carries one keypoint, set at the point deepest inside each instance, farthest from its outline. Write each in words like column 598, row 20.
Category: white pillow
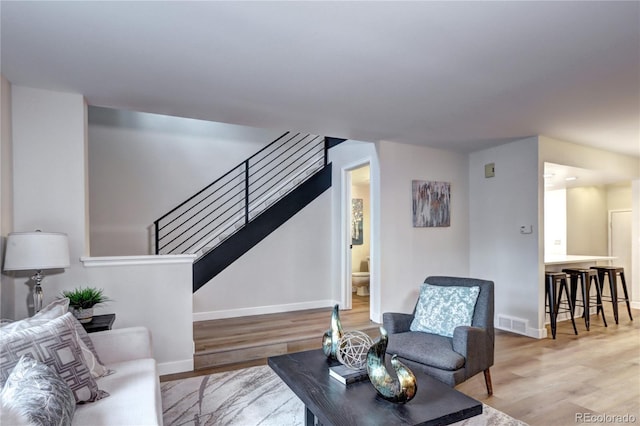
column 441, row 309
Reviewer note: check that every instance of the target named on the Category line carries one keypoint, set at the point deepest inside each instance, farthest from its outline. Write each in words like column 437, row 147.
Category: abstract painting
column 431, row 203
column 356, row 222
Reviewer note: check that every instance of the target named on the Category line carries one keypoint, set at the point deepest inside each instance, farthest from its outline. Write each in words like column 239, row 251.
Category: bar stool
column 555, row 283
column 585, row 276
column 612, row 272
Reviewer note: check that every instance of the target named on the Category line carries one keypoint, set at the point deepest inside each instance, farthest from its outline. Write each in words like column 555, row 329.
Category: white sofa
column 134, row 388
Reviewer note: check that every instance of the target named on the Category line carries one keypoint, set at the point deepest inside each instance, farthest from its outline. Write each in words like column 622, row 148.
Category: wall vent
column 517, row 325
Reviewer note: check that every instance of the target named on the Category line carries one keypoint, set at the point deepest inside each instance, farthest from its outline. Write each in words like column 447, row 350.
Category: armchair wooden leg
column 487, row 379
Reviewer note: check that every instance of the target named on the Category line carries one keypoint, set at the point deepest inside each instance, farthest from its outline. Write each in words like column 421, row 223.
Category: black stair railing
column 216, row 212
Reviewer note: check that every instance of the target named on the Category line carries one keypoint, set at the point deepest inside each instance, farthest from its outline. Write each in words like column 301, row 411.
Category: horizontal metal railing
column 223, row 207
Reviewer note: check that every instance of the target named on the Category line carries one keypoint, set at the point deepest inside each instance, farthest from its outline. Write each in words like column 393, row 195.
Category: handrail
column 217, row 180
column 218, row 210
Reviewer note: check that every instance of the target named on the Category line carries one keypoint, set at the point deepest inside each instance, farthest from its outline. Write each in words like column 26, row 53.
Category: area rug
column 256, row 396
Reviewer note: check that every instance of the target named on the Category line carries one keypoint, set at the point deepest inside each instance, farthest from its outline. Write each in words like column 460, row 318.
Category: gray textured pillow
column 441, row 309
column 55, row 344
column 37, row 393
column 56, row 309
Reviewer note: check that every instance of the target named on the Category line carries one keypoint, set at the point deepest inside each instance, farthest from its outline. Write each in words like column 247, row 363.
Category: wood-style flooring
column 539, row 381
column 219, row 343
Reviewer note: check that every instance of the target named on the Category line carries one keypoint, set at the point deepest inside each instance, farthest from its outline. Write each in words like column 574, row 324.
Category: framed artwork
column 356, row 222
column 431, row 204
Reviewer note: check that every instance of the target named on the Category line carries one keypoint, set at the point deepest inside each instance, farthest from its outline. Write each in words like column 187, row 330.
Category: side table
column 100, row 323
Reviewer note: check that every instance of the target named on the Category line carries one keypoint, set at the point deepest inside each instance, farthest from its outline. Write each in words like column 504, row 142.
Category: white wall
column 408, row 255
column 635, row 243
column 50, row 193
column 7, row 285
column 288, row 270
column 498, row 207
column 515, row 197
column 152, row 291
column 619, row 196
column 49, row 181
column 587, row 218
column 555, row 222
column 142, row 165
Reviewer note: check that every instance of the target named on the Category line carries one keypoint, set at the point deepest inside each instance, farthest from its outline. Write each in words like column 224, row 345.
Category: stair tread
column 228, row 334
column 222, row 342
column 229, row 346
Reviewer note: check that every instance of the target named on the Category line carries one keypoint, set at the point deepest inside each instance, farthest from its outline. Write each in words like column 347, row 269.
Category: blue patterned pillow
column 441, row 309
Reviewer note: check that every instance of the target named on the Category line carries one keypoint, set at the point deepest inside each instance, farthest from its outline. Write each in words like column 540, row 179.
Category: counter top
column 573, row 258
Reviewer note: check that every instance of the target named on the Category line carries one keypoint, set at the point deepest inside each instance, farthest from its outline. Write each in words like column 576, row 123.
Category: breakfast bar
column 552, row 262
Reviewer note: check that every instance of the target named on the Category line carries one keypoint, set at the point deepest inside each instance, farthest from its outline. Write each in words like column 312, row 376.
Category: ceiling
column 453, row 75
column 560, row 176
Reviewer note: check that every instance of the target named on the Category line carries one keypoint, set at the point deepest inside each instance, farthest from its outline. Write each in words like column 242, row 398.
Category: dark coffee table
column 332, row 403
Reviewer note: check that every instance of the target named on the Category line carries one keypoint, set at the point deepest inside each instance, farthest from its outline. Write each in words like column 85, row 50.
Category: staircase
column 228, row 217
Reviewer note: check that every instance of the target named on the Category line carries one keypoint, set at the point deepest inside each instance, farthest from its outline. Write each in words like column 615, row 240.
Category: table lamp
column 36, row 251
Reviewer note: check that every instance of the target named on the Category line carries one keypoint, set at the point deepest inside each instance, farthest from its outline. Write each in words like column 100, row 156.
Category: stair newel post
column 156, row 237
column 246, row 192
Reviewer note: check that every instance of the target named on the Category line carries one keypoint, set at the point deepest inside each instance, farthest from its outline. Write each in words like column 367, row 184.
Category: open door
column 357, row 197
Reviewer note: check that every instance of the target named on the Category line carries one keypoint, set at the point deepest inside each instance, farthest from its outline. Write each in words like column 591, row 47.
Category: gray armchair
column 451, row 360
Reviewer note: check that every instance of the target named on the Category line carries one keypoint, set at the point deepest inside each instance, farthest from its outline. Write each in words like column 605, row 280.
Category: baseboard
column 635, row 305
column 175, row 367
column 536, row 333
column 261, row 310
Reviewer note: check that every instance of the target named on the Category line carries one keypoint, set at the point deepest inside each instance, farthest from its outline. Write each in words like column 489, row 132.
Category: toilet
column 360, row 281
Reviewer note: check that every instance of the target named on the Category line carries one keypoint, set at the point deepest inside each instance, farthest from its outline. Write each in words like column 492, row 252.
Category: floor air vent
column 517, row 325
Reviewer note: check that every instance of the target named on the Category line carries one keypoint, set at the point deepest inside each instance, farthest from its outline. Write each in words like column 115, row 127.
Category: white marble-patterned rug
column 256, row 396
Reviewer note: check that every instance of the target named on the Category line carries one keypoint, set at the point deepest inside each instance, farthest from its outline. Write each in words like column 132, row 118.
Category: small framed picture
column 431, row 204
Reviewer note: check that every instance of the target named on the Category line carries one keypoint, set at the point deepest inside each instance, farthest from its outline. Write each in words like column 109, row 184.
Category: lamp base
column 37, row 298
column 37, row 292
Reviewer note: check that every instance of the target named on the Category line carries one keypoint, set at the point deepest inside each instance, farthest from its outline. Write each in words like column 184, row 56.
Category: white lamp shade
column 36, row 251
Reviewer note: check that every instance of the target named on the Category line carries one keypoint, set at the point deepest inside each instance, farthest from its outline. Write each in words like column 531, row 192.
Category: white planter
column 83, row 315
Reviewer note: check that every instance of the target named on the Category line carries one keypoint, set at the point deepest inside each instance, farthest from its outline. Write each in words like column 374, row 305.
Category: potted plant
column 82, row 301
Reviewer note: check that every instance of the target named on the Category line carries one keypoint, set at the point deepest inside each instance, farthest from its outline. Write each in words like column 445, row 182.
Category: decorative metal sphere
column 353, row 348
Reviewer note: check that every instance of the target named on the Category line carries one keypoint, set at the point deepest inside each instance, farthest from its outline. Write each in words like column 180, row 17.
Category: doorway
column 358, row 256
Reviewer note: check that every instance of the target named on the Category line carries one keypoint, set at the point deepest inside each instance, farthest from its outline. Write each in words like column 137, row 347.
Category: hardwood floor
column 539, row 381
column 219, row 343
column 550, row 382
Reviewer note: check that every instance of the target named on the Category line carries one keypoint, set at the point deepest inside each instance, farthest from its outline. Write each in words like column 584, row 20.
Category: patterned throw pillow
column 56, row 309
column 89, row 353
column 56, row 345
column 441, row 309
column 37, row 393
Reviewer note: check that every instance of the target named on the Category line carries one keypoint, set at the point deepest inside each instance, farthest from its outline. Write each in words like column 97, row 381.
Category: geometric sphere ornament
column 353, row 348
